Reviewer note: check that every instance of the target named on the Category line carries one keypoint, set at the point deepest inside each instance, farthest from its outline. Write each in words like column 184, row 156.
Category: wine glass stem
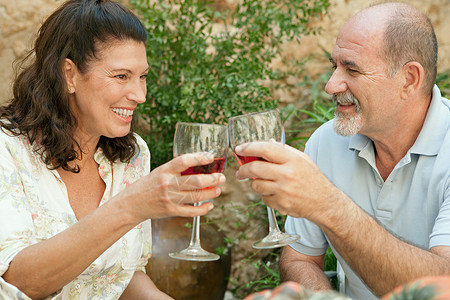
column 195, row 238
column 273, row 225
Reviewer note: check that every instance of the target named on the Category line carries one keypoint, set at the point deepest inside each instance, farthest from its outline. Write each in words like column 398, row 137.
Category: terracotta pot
column 186, row 280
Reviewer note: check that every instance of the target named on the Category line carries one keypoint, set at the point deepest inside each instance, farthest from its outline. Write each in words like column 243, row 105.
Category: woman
column 76, row 192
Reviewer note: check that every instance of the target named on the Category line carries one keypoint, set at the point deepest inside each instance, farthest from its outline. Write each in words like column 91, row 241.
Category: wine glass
column 262, row 126
column 197, row 137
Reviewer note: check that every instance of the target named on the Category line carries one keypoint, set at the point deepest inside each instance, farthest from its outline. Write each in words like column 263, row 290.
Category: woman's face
column 104, row 97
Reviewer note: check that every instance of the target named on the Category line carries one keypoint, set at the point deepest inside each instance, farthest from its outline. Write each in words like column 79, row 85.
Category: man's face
column 366, row 96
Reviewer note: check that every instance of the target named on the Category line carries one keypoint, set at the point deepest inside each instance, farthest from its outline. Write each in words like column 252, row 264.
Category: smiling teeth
column 125, row 113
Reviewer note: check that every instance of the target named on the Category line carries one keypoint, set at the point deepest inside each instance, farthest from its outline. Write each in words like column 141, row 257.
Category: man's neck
column 392, row 146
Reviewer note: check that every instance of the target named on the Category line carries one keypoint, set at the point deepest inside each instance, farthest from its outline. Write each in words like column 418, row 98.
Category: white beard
column 346, row 124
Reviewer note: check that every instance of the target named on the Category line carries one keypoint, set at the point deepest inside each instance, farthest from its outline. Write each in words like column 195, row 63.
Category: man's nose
column 336, row 84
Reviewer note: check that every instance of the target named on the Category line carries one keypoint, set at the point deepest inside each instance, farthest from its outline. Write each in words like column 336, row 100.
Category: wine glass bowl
column 199, row 137
column 261, row 126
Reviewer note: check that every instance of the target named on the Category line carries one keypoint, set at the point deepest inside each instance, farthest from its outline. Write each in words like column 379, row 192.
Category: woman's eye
column 144, row 76
column 121, row 76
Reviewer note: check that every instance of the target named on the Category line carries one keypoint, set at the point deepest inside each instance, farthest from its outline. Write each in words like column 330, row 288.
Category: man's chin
column 346, row 128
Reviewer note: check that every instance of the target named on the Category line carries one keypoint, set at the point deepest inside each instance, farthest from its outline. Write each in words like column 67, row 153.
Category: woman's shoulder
column 142, row 145
column 8, row 137
column 18, row 151
column 142, row 155
column 139, row 140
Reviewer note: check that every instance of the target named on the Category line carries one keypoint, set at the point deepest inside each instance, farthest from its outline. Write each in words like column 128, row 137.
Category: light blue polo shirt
column 413, row 202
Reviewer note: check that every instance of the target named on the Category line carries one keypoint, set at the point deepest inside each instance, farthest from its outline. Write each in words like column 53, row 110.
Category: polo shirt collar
column 434, row 128
column 431, row 135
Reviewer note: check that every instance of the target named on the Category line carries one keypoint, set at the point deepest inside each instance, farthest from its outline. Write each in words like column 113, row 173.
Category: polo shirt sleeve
column 312, row 240
column 440, row 235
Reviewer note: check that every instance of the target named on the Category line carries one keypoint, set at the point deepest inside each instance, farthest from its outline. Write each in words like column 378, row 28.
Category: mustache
column 345, row 98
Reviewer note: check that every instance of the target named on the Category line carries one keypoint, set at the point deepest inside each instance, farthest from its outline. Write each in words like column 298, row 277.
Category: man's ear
column 70, row 72
column 413, row 76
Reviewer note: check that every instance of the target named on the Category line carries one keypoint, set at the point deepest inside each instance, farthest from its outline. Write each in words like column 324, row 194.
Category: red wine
column 215, row 167
column 246, row 159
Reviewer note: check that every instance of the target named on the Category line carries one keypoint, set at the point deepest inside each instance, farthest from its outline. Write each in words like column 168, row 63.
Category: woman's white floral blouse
column 34, row 206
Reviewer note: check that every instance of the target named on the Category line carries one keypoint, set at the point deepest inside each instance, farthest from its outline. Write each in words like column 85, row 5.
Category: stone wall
column 19, row 20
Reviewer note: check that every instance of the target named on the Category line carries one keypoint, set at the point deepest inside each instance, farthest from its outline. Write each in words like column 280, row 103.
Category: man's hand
column 289, row 181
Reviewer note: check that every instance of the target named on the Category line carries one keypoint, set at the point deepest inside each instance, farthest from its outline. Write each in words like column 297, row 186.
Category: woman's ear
column 413, row 73
column 70, row 70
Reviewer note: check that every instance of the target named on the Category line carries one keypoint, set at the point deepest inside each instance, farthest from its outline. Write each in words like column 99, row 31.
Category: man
column 375, row 183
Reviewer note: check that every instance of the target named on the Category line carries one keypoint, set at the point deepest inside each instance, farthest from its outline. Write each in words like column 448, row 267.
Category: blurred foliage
column 207, row 65
column 443, row 82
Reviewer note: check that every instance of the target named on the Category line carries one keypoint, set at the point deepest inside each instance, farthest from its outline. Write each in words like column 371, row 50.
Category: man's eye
column 144, row 76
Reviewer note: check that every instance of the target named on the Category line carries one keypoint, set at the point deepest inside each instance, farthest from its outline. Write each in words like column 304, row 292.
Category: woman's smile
column 124, row 113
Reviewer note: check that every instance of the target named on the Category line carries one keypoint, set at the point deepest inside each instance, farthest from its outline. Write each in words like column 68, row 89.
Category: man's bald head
column 406, row 35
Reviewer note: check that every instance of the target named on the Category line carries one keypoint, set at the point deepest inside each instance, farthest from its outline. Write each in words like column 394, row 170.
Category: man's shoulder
column 446, row 102
column 324, row 130
column 326, row 145
column 325, row 134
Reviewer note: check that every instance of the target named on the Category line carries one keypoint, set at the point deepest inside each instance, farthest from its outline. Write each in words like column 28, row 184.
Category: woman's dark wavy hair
column 40, row 105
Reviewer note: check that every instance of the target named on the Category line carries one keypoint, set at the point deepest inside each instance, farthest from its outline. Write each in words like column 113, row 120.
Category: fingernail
column 222, row 178
column 210, row 207
column 218, row 191
column 238, row 149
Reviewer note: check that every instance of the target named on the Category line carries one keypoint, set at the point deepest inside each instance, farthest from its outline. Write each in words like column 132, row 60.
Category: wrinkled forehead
column 361, row 35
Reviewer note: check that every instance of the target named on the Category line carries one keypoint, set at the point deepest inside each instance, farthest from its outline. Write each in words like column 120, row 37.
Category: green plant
column 207, row 65
column 270, row 275
column 267, row 277
column 443, row 82
column 319, row 108
column 331, row 265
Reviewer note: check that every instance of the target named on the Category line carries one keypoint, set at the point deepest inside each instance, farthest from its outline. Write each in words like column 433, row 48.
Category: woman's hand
column 165, row 192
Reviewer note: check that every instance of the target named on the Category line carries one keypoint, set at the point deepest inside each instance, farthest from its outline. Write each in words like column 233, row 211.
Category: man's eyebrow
column 350, row 63
column 345, row 62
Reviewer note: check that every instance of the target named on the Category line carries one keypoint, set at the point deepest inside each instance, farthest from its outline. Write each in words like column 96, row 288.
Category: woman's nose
column 138, row 92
